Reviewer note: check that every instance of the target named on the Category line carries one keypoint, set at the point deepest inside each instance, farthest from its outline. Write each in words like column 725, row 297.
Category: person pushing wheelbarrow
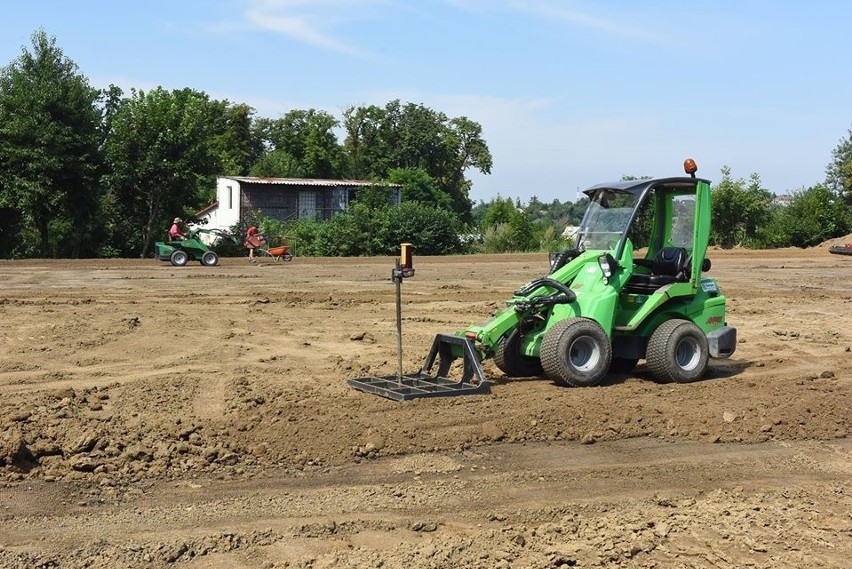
column 253, row 240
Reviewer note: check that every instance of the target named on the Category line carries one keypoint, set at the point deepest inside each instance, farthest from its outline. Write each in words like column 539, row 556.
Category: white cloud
column 570, row 13
column 562, row 12
column 314, row 22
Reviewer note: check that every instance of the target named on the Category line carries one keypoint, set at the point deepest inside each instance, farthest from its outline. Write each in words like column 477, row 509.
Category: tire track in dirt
column 504, row 487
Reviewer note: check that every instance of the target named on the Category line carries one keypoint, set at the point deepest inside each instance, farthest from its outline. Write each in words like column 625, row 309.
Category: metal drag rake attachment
column 445, row 349
column 402, row 387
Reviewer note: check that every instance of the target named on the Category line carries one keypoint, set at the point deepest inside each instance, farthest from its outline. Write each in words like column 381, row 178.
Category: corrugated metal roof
column 207, row 209
column 305, row 182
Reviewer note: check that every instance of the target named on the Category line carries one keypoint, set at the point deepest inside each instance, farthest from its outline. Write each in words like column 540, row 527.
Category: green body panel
column 642, row 314
column 702, row 230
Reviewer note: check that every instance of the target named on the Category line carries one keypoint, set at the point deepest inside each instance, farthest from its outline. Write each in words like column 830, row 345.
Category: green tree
column 162, row 162
column 739, row 209
column 414, row 136
column 812, row 216
column 378, row 196
column 418, row 186
column 535, row 209
column 276, row 164
column 50, row 139
column 839, row 171
column 308, row 137
column 235, row 143
column 430, row 229
column 500, row 210
column 506, row 227
column 567, row 213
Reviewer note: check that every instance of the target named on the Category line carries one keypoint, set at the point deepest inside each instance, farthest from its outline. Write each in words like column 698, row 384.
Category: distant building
column 782, row 200
column 283, row 199
column 570, row 230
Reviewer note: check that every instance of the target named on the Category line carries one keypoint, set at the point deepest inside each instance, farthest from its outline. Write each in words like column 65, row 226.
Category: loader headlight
column 608, row 265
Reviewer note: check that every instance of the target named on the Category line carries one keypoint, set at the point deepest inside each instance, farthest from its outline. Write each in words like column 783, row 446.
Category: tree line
column 87, row 173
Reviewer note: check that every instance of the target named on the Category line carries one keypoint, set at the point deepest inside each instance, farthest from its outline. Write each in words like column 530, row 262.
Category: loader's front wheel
column 576, row 352
column 511, row 361
column 677, row 351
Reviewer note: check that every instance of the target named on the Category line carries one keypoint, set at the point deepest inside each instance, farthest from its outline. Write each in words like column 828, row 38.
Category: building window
column 230, row 197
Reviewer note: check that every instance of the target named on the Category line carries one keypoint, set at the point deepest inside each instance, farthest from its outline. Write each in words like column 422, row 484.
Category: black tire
column 179, row 258
column 209, row 259
column 622, row 365
column 287, row 257
column 576, row 352
column 511, row 361
column 677, row 351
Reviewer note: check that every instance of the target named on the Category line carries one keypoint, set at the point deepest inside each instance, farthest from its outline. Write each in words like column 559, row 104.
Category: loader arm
column 530, row 301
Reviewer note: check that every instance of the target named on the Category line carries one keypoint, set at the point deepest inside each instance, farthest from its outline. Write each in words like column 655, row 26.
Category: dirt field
column 199, row 417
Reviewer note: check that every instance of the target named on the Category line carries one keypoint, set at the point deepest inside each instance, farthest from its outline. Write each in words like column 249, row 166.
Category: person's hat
column 177, row 220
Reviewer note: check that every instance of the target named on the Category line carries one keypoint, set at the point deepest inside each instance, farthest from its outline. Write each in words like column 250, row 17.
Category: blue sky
column 569, row 93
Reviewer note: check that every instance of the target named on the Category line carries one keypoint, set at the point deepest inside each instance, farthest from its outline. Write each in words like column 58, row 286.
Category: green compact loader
column 179, row 253
column 632, row 288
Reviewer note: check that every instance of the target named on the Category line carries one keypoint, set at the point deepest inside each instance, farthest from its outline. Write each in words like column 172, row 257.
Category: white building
column 283, row 199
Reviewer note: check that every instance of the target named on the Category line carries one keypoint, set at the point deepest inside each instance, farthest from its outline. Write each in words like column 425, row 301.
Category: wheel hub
column 688, row 354
column 584, row 354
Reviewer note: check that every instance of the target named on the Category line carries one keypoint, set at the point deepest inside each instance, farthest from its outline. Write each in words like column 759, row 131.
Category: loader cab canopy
column 651, row 213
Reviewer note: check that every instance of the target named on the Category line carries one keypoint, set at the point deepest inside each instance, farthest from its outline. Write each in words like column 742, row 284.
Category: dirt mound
column 837, row 242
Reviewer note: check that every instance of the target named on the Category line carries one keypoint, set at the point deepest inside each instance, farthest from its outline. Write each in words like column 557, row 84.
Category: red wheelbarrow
column 277, row 253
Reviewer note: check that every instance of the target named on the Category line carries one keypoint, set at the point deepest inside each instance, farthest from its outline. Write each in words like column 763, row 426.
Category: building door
column 307, row 204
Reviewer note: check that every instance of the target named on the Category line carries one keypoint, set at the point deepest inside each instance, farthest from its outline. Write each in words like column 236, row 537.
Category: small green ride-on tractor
column 604, row 306
column 179, row 253
column 632, row 288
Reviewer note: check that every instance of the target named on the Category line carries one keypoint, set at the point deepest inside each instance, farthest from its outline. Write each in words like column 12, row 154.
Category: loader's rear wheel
column 677, row 351
column 209, row 259
column 179, row 258
column 511, row 361
column 576, row 352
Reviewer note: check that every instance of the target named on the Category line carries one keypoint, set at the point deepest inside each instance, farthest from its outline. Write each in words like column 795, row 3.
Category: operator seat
column 669, row 265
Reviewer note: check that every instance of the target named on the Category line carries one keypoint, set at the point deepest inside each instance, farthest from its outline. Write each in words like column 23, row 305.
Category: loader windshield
column 607, row 218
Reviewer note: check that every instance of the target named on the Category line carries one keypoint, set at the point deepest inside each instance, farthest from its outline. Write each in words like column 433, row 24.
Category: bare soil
column 199, row 417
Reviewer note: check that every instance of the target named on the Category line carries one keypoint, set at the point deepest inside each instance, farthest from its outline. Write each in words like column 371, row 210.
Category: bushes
column 366, row 231
column 371, row 231
column 813, row 216
column 507, row 227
